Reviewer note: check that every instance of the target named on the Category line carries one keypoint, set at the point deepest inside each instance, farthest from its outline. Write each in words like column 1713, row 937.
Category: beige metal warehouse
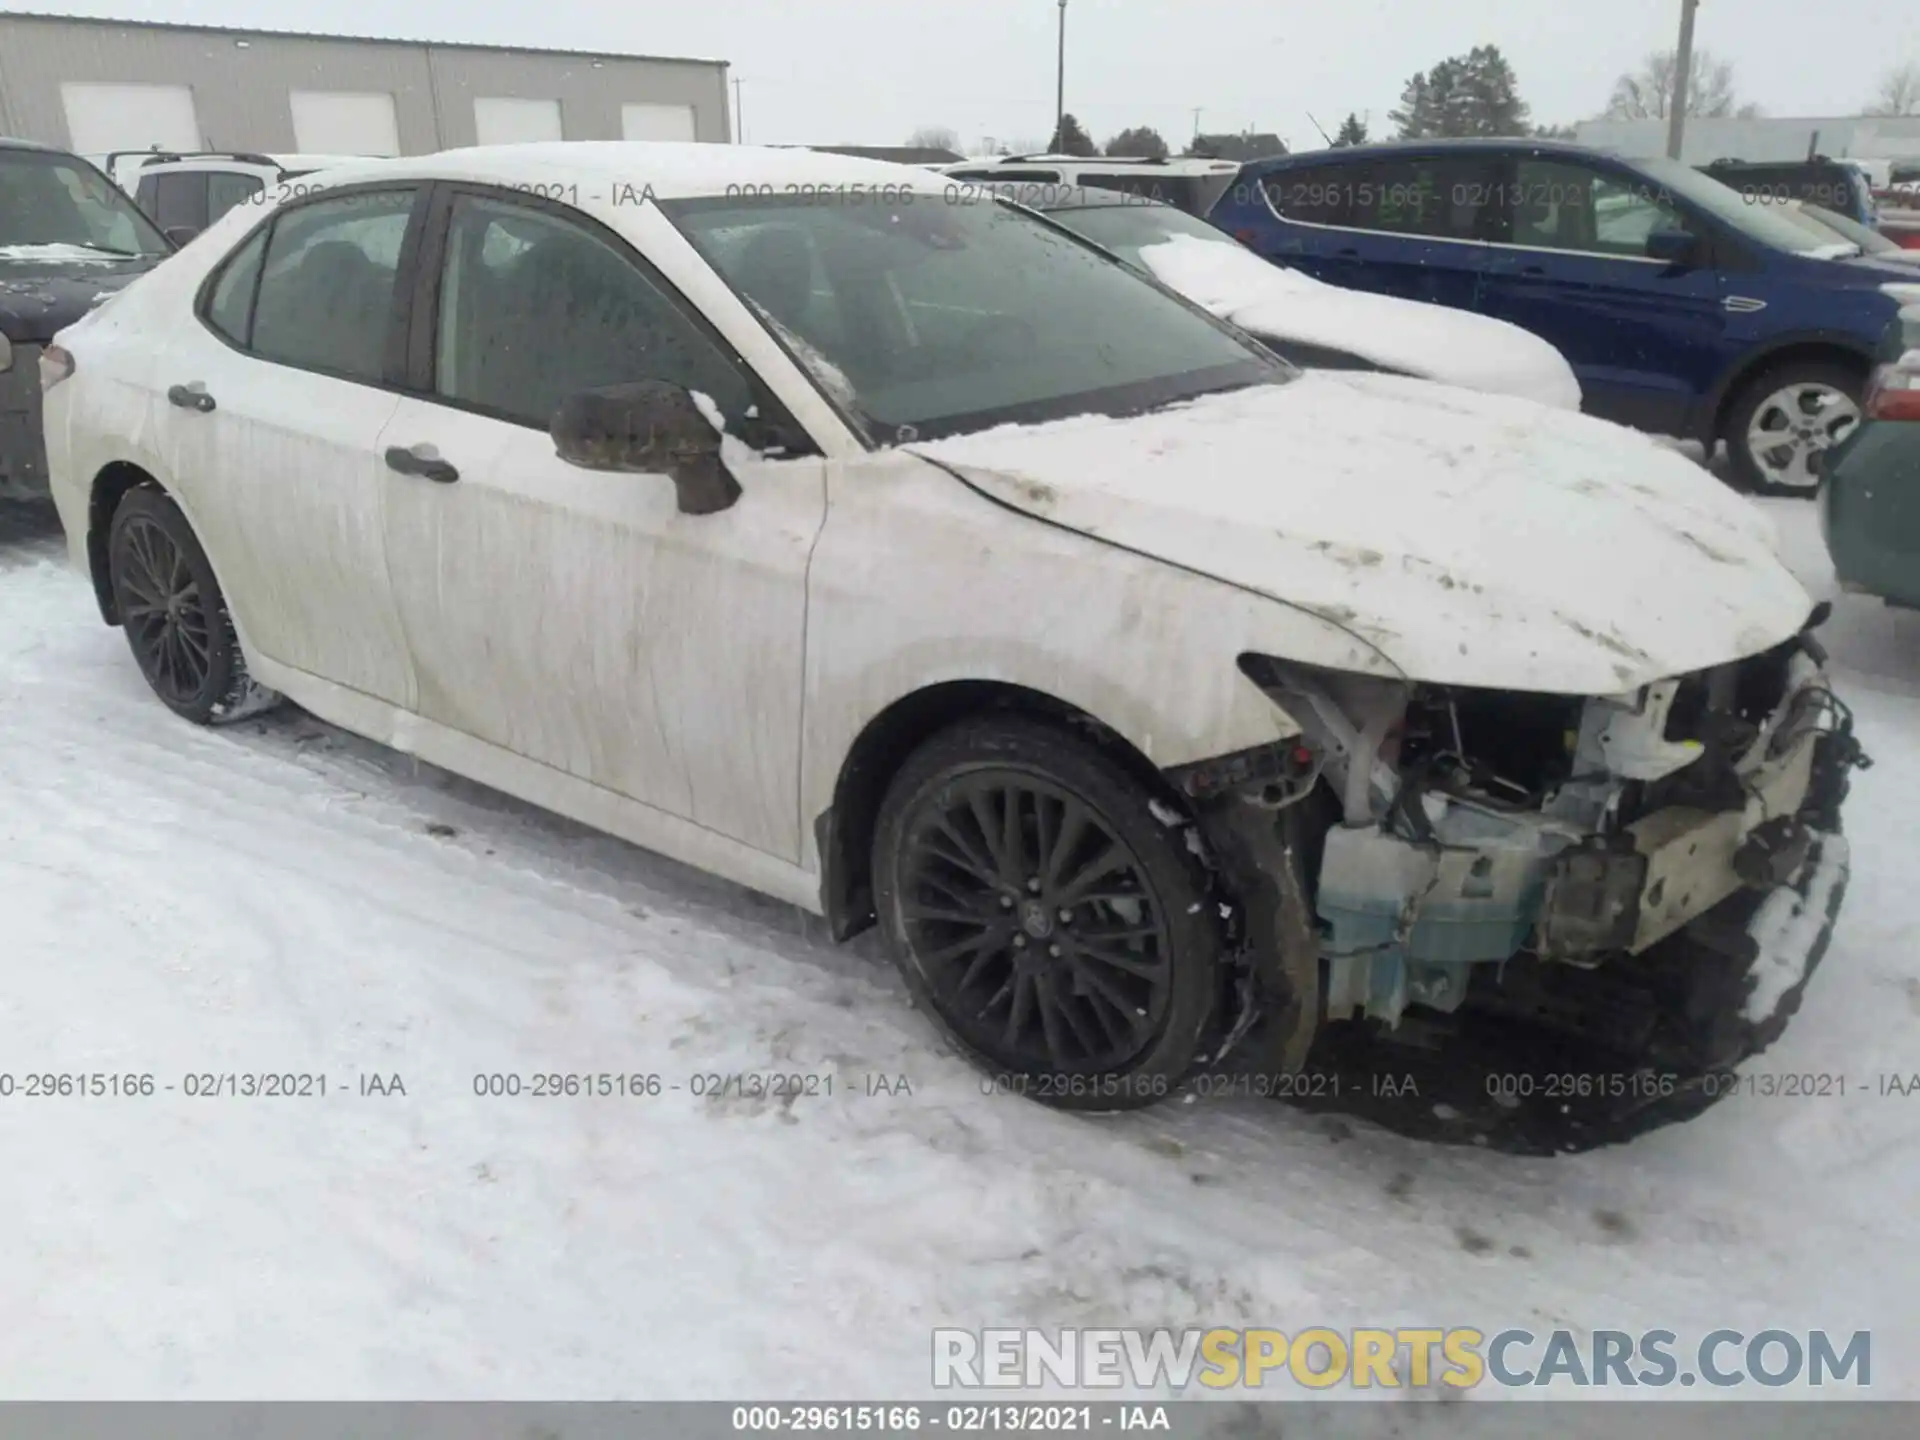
column 95, row 86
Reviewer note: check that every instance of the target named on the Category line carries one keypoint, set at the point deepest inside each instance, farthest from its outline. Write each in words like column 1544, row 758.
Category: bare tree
column 935, row 137
column 1899, row 92
column 1647, row 94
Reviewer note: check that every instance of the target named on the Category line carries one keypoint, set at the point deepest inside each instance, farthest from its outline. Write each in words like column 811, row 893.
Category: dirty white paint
column 695, row 683
column 1431, row 341
column 1475, row 539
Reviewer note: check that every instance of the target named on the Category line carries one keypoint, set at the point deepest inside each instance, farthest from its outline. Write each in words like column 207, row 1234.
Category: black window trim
column 422, row 306
column 393, row 363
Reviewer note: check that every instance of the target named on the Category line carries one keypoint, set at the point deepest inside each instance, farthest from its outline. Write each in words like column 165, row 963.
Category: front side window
column 327, row 295
column 1563, row 205
column 49, row 199
column 535, row 308
column 939, row 319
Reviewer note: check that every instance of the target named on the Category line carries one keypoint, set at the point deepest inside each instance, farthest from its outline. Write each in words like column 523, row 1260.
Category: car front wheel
column 1059, row 931
column 1785, row 422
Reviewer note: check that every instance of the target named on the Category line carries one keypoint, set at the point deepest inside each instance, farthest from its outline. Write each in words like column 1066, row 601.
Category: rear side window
column 1315, row 195
column 1441, row 197
column 230, row 302
column 177, row 198
column 1044, row 177
column 327, row 291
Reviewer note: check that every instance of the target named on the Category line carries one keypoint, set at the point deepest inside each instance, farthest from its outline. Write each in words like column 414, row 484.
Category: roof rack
column 148, row 157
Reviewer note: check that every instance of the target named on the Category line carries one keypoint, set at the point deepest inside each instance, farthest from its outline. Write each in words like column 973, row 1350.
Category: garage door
column 514, row 122
column 340, row 122
column 101, row 118
column 656, row 122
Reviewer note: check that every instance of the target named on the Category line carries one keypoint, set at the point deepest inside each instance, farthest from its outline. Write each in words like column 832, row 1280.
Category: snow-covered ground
column 279, row 898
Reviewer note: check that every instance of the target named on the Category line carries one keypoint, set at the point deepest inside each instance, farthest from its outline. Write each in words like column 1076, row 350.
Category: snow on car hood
column 1435, row 342
column 1472, row 540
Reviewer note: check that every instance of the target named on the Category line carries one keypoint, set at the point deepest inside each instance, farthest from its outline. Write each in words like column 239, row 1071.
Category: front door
column 576, row 617
column 1645, row 337
column 271, row 408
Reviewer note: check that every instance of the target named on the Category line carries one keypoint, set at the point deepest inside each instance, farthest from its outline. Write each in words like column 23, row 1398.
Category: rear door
column 272, row 405
column 1415, row 226
column 1644, row 337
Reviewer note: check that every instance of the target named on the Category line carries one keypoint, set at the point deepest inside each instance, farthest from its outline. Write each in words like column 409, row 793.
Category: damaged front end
column 1637, row 869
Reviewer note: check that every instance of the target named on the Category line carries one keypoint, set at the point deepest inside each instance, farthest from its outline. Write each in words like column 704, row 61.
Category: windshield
column 923, row 319
column 1128, row 229
column 1832, row 240
column 1764, row 223
column 53, row 203
column 1868, row 239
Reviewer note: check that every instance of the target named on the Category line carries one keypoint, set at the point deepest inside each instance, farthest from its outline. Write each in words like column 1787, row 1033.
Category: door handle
column 190, row 397
column 420, row 461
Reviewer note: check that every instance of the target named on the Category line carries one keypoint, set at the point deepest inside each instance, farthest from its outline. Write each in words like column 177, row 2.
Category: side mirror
column 1673, row 247
column 181, row 234
column 648, row 427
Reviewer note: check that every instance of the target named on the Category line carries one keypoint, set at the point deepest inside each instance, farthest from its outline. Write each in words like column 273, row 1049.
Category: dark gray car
column 69, row 238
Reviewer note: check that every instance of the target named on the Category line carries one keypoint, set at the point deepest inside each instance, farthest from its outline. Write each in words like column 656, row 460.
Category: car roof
column 10, row 142
column 1473, row 144
column 671, row 169
column 1171, row 164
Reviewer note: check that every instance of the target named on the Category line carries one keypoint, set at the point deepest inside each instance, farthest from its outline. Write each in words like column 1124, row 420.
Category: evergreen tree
column 1071, row 139
column 1352, row 131
column 1471, row 94
column 1140, row 140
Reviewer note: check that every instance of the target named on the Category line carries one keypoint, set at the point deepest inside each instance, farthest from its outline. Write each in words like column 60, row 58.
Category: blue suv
column 1684, row 309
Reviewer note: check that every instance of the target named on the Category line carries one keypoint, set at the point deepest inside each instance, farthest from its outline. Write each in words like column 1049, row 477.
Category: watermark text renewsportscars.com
column 1461, row 1358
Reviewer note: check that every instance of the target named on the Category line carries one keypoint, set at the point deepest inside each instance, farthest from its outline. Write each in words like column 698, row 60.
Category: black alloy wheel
column 171, row 607
column 1053, row 924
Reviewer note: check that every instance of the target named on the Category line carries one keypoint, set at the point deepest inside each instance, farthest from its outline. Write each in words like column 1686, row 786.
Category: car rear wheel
column 1058, row 931
column 1785, row 422
column 174, row 614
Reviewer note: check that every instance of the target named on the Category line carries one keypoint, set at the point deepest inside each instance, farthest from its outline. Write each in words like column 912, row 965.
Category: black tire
column 1749, row 474
column 174, row 614
column 960, row 924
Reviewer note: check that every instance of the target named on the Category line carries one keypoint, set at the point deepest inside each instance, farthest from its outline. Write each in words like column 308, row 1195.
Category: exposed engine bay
column 1454, row 846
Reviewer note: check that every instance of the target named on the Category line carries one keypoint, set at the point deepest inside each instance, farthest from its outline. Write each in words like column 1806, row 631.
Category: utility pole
column 1196, row 121
column 739, row 115
column 1682, row 74
column 1060, row 90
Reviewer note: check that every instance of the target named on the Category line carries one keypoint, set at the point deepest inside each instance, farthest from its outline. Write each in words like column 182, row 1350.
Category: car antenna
column 1323, row 134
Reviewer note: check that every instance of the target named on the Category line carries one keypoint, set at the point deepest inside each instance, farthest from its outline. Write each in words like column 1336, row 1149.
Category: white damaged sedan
column 921, row 564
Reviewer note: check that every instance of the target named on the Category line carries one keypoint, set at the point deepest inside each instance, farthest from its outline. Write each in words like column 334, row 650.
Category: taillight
column 1894, row 393
column 56, row 364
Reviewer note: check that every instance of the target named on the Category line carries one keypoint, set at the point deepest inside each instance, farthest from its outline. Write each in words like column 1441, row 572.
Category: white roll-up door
column 501, row 121
column 657, row 122
column 341, row 122
column 102, row 117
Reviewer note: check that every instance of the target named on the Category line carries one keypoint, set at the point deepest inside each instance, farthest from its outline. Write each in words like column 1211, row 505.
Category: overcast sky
column 871, row 71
